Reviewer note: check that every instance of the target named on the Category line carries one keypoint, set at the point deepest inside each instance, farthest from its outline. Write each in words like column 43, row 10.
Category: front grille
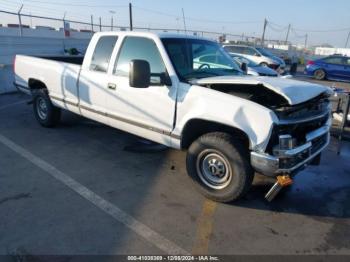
column 297, row 131
column 318, row 143
column 292, row 120
column 313, row 107
column 300, row 130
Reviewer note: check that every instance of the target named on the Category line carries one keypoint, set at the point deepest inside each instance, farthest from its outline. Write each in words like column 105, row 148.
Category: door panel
column 93, row 81
column 346, row 72
column 148, row 112
column 334, row 66
column 93, row 94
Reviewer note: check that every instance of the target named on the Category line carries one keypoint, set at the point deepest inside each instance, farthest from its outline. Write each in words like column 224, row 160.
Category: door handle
column 112, row 86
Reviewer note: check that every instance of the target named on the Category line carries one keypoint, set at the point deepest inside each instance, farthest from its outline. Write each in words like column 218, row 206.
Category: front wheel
column 219, row 166
column 45, row 112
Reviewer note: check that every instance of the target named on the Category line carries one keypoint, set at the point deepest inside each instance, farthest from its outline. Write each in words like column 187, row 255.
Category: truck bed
column 77, row 60
column 58, row 73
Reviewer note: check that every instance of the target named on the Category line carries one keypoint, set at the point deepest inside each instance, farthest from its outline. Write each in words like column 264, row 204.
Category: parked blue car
column 334, row 67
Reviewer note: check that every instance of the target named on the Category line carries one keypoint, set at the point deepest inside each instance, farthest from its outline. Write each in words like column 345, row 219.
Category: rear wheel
column 45, row 112
column 264, row 64
column 219, row 166
column 320, row 74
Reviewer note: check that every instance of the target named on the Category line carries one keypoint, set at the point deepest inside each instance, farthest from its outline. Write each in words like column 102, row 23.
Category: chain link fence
column 28, row 22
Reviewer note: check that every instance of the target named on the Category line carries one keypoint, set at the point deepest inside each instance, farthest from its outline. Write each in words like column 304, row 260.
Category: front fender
column 196, row 102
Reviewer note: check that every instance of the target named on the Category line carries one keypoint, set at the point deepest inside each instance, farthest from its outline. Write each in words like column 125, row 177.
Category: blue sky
column 237, row 17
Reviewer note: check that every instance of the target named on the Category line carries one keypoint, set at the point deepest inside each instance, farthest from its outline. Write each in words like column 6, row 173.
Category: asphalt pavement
column 77, row 189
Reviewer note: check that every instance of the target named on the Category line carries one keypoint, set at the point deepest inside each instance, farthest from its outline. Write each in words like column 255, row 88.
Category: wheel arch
column 34, row 84
column 195, row 128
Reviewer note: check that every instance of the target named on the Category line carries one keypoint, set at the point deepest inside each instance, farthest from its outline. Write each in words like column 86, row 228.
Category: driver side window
column 142, row 49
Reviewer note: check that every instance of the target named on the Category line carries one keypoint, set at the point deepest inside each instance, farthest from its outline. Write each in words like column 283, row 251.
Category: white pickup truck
column 186, row 93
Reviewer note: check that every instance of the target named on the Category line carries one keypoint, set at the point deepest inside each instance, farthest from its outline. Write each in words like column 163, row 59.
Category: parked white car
column 253, row 68
column 257, row 55
column 153, row 86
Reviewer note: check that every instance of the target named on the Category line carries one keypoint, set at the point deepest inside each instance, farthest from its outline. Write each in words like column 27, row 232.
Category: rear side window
column 102, row 53
column 334, row 60
column 139, row 48
column 233, row 49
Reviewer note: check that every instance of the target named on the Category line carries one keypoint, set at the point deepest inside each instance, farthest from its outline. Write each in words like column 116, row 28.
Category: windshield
column 196, row 58
column 264, row 52
column 241, row 59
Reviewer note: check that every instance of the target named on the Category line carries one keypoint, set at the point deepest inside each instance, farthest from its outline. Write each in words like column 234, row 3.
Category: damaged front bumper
column 292, row 160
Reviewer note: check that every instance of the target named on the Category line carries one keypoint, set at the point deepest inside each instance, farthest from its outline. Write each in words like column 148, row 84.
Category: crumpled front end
column 297, row 139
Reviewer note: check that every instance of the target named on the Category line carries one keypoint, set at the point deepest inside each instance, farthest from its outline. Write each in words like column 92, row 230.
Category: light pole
column 347, row 40
column 112, row 13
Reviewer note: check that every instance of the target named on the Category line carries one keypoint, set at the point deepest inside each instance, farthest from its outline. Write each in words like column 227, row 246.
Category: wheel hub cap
column 213, row 169
column 216, row 167
column 41, row 108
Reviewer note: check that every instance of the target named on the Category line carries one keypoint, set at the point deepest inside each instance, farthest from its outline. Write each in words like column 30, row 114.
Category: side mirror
column 244, row 67
column 139, row 74
column 165, row 79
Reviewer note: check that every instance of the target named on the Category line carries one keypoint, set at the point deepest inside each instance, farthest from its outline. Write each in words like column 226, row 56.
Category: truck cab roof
column 150, row 34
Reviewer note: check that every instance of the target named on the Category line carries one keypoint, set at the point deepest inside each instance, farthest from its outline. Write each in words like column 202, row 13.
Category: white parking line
column 147, row 233
column 13, row 104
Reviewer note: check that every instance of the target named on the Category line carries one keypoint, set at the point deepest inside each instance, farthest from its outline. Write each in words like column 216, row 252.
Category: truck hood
column 295, row 92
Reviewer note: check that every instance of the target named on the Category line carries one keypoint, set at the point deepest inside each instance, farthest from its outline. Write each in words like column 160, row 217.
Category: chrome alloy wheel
column 213, row 169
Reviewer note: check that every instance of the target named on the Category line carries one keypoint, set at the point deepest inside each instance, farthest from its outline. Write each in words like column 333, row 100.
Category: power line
column 296, row 34
column 281, row 27
column 78, row 5
column 276, row 29
column 311, row 30
column 195, row 19
column 40, row 9
column 322, row 31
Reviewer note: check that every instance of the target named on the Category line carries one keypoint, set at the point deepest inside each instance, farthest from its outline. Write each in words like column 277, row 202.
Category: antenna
column 184, row 20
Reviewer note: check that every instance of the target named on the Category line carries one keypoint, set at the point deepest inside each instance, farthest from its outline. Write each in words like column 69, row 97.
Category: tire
column 264, row 64
column 320, row 74
column 219, row 167
column 45, row 112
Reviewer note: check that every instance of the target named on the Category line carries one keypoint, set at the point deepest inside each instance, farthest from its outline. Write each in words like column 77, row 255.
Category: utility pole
column 64, row 25
column 184, row 20
column 100, row 24
column 31, row 20
column 112, row 14
column 288, row 33
column 130, row 16
column 347, row 40
column 92, row 24
column 263, row 35
column 306, row 36
column 20, row 20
